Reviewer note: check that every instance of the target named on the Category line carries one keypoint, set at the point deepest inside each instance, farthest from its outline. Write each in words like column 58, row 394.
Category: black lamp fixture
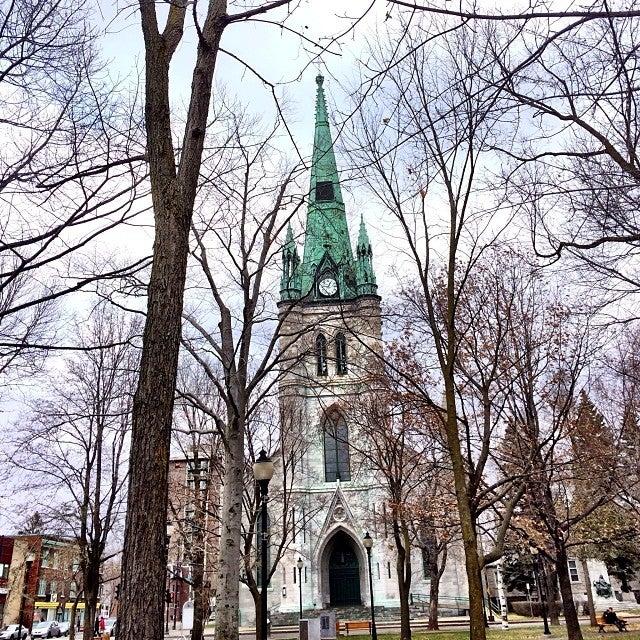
column 368, row 544
column 263, row 472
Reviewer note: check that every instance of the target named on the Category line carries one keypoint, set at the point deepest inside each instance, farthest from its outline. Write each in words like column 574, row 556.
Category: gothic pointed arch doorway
column 344, row 572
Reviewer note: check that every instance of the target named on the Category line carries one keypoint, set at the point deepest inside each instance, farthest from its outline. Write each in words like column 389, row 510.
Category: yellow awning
column 55, row 605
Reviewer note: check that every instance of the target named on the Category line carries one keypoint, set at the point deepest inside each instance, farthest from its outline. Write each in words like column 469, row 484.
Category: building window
column 42, row 587
column 197, row 468
column 388, row 569
column 384, row 519
column 324, row 191
column 4, row 570
column 259, row 547
column 305, row 575
column 341, row 354
column 53, row 590
column 295, row 570
column 321, row 355
column 304, row 526
column 336, row 450
column 573, row 571
column 293, row 523
column 378, row 569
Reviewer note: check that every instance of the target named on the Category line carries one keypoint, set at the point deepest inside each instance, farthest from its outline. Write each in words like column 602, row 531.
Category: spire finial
column 319, row 79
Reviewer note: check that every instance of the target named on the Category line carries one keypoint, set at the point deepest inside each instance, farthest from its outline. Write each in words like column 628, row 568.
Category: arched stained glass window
column 321, row 355
column 336, row 450
column 341, row 354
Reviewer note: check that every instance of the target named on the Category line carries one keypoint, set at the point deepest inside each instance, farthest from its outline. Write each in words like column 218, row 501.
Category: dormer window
column 324, row 191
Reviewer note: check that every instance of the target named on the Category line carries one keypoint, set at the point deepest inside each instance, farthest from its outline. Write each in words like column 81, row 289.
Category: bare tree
column 395, row 442
column 278, row 430
column 425, row 141
column 232, row 328
column 571, row 91
column 70, row 169
column 194, row 506
column 76, row 443
column 174, row 185
column 550, row 347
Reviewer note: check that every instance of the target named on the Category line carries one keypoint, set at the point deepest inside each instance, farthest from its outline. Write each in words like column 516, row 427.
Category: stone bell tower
column 331, row 340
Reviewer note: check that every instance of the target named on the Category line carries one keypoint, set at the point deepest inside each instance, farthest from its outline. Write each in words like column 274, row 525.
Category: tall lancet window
column 321, row 355
column 341, row 354
column 336, row 450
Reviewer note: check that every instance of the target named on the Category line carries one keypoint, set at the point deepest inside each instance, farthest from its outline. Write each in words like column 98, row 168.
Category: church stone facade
column 331, row 334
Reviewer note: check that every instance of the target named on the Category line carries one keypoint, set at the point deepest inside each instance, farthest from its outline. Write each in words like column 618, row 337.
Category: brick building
column 194, row 494
column 44, row 571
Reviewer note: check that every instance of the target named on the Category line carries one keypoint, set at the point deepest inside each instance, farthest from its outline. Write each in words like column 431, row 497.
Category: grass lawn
column 509, row 634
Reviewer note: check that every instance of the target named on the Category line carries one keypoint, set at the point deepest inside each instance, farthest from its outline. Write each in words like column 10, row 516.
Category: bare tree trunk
column 90, row 587
column 403, row 569
column 467, row 525
column 568, row 606
column 593, row 621
column 200, row 592
column 435, row 574
column 173, row 194
column 552, row 591
column 145, row 554
column 434, row 594
column 255, row 593
column 72, row 620
column 230, row 556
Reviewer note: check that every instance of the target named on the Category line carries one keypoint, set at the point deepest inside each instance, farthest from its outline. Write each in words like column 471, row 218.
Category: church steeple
column 365, row 276
column 328, row 270
column 290, row 281
column 327, row 248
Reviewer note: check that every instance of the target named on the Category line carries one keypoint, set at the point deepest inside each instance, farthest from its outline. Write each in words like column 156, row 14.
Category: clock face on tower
column 328, row 287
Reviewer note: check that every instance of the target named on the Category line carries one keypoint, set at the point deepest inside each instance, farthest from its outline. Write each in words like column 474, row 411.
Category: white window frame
column 572, row 566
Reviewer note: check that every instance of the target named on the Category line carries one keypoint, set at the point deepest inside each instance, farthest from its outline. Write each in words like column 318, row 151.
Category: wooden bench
column 357, row 625
column 602, row 626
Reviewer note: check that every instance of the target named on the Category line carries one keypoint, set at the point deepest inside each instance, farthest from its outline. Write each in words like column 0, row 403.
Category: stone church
column 330, row 313
column 331, row 329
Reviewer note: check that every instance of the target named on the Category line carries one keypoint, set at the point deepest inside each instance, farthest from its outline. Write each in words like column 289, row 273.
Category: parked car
column 46, row 629
column 64, row 628
column 10, row 632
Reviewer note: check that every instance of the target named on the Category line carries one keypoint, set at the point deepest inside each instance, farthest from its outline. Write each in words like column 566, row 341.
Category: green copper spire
column 290, row 281
column 327, row 248
column 328, row 270
column 365, row 276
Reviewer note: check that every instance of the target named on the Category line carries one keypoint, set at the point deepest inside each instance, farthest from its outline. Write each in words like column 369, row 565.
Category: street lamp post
column 299, row 565
column 263, row 472
column 28, row 561
column 368, row 543
column 542, row 592
column 177, row 575
column 168, row 589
